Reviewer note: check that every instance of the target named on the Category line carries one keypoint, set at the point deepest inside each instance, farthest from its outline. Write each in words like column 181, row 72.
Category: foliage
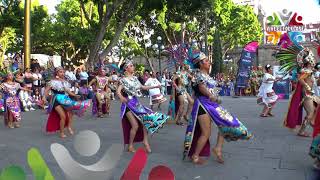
column 6, row 39
column 243, row 28
column 91, row 29
column 10, row 14
column 217, row 54
column 139, row 68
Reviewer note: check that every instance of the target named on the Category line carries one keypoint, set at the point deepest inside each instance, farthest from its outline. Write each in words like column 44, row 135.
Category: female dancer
column 266, row 95
column 298, row 57
column 137, row 119
column 182, row 97
column 101, row 101
column 61, row 105
column 12, row 116
column 205, row 109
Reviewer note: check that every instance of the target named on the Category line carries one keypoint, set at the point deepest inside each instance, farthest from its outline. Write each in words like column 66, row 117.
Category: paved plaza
column 274, row 153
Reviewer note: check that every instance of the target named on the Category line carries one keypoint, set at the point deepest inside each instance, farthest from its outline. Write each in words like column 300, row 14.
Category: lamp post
column 27, row 46
column 158, row 48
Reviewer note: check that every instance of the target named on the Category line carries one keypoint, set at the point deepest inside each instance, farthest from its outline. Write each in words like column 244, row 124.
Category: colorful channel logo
column 86, row 143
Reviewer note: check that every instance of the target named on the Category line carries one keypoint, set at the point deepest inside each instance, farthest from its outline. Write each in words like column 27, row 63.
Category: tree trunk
column 217, row 54
column 150, row 64
column 97, row 42
column 114, row 40
column 127, row 15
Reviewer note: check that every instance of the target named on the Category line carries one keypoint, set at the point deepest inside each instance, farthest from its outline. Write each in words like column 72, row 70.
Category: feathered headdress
column 294, row 57
column 124, row 65
column 194, row 57
column 113, row 67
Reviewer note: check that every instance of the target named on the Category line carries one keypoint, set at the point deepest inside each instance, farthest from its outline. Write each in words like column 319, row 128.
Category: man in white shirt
column 155, row 94
column 70, row 75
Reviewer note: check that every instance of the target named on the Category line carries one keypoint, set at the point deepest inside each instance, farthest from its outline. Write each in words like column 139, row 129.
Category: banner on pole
column 248, row 55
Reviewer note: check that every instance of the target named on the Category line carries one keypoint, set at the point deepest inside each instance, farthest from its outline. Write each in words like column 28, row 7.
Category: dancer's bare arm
column 46, row 93
column 204, row 91
column 149, row 87
column 92, row 81
column 119, row 94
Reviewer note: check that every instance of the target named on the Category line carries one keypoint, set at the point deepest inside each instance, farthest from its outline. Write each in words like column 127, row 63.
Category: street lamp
column 158, row 48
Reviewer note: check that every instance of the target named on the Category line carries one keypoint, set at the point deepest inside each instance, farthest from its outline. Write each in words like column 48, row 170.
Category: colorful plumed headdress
column 124, row 66
column 194, row 57
column 295, row 56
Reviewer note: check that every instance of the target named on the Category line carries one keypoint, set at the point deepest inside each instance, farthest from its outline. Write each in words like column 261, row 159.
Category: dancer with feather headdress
column 298, row 57
column 137, row 120
column 207, row 109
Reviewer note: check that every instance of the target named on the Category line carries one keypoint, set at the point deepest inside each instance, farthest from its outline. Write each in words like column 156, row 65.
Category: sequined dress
column 11, row 101
column 151, row 120
column 60, row 97
column 229, row 125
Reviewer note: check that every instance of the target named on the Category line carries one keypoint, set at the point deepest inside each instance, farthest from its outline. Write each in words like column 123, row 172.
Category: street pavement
column 274, row 153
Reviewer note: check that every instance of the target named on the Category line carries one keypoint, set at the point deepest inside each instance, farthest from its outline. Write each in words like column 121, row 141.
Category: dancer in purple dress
column 206, row 110
column 137, row 120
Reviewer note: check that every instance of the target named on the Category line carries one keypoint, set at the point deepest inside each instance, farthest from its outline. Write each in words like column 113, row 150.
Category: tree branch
column 120, row 26
column 85, row 13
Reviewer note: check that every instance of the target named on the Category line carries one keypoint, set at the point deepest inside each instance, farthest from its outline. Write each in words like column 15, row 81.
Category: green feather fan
column 287, row 58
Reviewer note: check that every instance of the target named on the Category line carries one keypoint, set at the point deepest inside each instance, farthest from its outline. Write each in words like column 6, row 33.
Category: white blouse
column 268, row 85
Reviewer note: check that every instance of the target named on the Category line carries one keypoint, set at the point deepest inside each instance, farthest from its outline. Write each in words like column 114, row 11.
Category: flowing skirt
column 12, row 107
column 77, row 107
column 53, row 123
column 152, row 121
column 267, row 98
column 229, row 126
column 295, row 110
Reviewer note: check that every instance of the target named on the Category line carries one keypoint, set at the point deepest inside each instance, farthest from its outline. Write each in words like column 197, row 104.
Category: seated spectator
column 84, row 92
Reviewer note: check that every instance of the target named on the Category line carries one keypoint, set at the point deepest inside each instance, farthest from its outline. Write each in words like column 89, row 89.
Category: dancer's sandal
column 179, row 123
column 62, row 135
column 147, row 147
column 304, row 134
column 71, row 131
column 10, row 125
column 131, row 149
column 16, row 125
column 218, row 155
column 263, row 115
column 197, row 160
